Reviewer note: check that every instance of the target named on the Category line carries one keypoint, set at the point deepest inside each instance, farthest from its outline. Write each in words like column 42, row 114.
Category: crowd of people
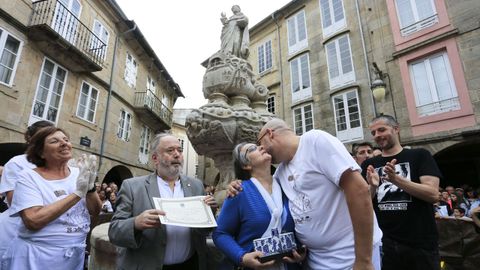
column 460, row 202
column 389, row 199
column 108, row 195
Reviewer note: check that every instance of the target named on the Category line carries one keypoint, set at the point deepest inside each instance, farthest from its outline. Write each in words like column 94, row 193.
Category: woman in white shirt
column 55, row 202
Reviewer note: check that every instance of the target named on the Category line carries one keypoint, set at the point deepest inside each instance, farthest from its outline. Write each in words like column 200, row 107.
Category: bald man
column 328, row 198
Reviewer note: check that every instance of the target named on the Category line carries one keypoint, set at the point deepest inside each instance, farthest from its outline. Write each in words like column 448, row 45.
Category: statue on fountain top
column 235, row 36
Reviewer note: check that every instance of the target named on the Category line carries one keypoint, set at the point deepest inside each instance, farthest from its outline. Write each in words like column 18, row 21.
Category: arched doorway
column 117, row 174
column 460, row 164
column 10, row 150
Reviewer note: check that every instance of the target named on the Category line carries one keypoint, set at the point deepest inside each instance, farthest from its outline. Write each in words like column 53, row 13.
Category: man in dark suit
column 135, row 226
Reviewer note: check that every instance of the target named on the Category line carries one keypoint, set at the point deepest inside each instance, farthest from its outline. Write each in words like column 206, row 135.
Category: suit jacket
column 146, row 249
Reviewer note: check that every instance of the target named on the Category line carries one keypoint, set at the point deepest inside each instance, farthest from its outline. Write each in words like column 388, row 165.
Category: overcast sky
column 185, row 33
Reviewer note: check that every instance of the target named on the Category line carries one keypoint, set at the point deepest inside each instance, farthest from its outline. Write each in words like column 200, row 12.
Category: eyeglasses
column 249, row 149
column 263, row 135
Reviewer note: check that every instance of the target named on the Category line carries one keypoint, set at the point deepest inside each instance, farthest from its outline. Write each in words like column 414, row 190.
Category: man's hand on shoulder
column 234, row 188
column 148, row 219
column 210, row 201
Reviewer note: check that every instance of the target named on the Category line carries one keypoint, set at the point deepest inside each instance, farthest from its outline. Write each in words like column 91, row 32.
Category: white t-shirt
column 317, row 203
column 33, row 190
column 11, row 171
column 107, row 207
column 9, row 225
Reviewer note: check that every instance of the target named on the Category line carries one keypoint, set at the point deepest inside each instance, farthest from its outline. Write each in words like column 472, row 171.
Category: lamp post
column 378, row 86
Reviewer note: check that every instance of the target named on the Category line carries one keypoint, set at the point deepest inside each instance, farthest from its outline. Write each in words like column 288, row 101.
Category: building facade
column 82, row 65
column 320, row 60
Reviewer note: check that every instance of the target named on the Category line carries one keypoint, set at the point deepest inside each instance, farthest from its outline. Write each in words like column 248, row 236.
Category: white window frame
column 88, row 99
column 335, row 61
column 124, row 125
column 144, row 148
column 302, row 93
column 294, row 21
column 131, row 67
column 103, row 35
column 437, row 105
column 66, row 23
column 303, row 118
column 151, row 90
column 3, row 40
column 271, row 104
column 419, row 24
column 334, row 26
column 265, row 62
column 348, row 134
column 34, row 118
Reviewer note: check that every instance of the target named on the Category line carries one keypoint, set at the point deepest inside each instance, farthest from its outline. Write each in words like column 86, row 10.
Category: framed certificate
column 190, row 212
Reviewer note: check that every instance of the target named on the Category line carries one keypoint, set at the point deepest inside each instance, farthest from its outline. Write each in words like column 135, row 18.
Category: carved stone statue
column 235, row 37
column 236, row 108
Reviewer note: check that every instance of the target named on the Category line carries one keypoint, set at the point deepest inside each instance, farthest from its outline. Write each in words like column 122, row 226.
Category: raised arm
column 426, row 190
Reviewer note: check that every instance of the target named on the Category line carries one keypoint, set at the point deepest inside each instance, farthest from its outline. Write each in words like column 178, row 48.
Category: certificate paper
column 186, row 212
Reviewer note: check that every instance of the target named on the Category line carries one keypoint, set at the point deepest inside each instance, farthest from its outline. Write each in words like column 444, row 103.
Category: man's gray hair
column 156, row 141
column 389, row 120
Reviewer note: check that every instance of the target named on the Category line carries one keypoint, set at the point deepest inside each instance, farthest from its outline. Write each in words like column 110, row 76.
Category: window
column 49, row 92
column 303, row 119
column 433, row 85
column 347, row 116
column 265, row 56
column 415, row 15
column 333, row 16
column 182, row 142
column 87, row 102
column 300, row 78
column 65, row 19
column 339, row 59
column 271, row 104
column 101, row 32
column 124, row 126
column 297, row 32
column 144, row 145
column 151, row 93
column 131, row 70
column 9, row 56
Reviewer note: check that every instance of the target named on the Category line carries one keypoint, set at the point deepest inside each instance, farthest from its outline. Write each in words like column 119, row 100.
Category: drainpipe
column 365, row 59
column 280, row 64
column 110, row 90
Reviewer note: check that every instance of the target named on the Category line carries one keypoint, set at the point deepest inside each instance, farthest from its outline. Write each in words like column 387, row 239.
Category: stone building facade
column 84, row 66
column 320, row 60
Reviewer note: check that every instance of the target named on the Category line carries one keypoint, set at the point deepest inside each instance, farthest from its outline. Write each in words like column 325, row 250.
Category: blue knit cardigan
column 244, row 218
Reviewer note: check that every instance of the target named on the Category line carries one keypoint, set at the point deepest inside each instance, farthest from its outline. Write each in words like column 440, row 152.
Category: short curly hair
column 37, row 143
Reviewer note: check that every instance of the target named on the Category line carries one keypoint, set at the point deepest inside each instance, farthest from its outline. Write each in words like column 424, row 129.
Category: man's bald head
column 275, row 124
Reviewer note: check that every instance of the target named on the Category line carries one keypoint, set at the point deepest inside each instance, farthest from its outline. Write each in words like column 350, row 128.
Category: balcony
column 152, row 111
column 63, row 37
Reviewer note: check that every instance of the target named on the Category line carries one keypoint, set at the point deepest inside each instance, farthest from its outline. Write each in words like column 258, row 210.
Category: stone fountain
column 236, row 108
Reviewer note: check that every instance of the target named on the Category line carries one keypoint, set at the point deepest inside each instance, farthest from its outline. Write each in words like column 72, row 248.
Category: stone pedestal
column 103, row 254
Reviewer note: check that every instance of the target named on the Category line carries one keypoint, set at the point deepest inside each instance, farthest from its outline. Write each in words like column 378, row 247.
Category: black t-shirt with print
column 402, row 217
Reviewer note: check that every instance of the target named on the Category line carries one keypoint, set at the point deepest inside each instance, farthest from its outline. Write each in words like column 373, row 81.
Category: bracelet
column 92, row 190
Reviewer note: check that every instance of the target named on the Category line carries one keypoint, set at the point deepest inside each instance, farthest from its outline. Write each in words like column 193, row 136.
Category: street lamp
column 378, row 89
column 378, row 86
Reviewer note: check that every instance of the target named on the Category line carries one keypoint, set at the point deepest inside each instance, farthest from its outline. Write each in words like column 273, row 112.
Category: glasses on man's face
column 259, row 141
column 249, row 149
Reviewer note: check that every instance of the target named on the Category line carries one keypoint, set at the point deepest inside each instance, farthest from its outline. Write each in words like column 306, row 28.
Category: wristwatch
column 92, row 190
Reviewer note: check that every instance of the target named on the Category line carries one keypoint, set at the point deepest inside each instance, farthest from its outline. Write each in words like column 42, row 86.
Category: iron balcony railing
column 60, row 19
column 151, row 102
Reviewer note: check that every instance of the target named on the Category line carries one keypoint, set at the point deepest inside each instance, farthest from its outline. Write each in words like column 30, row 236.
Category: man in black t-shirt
column 404, row 185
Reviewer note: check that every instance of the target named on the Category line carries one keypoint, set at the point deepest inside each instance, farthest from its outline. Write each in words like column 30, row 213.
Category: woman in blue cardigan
column 253, row 213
